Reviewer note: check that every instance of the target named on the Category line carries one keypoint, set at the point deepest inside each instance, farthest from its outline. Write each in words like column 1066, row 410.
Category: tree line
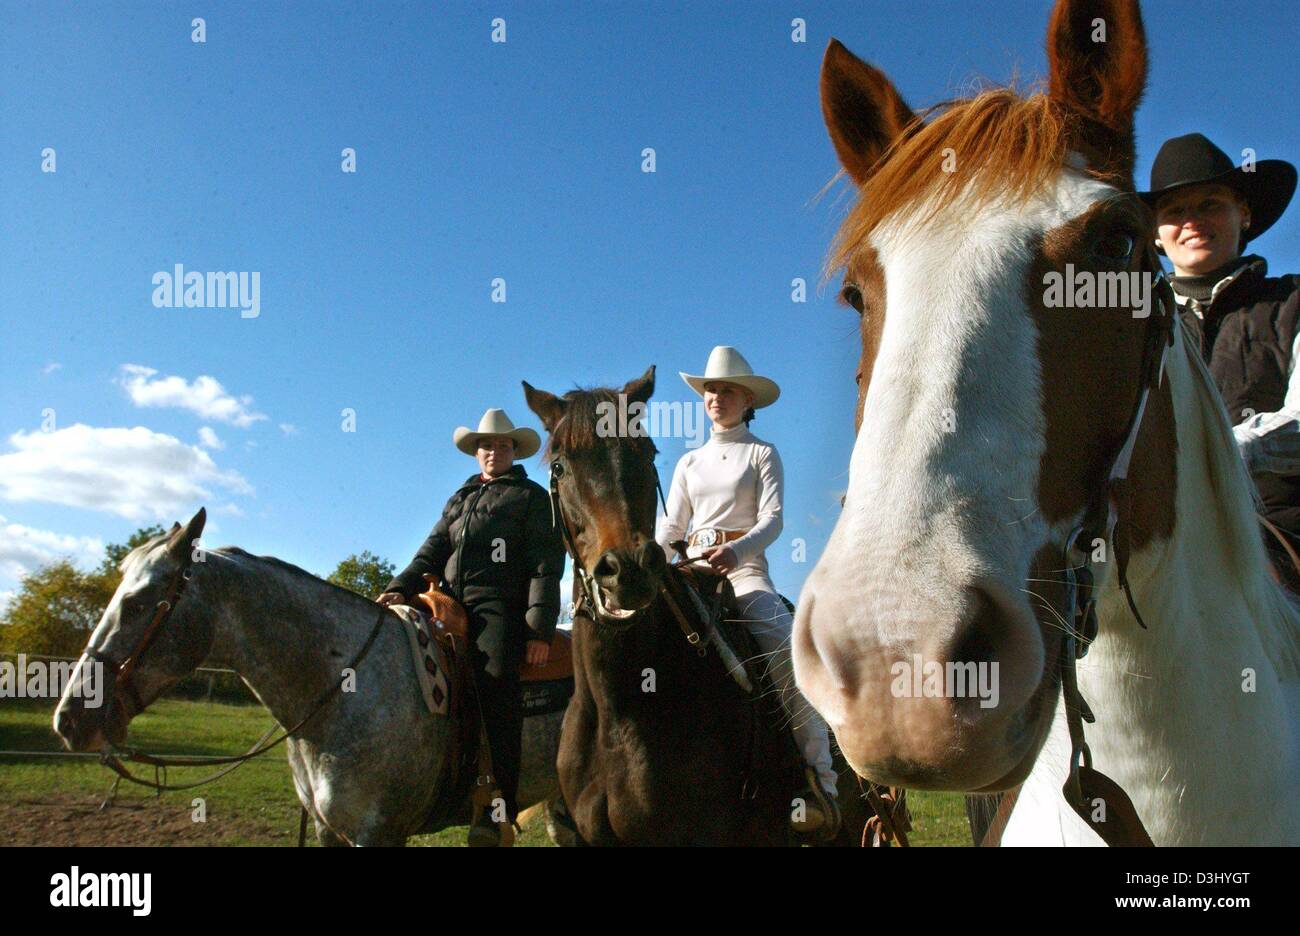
column 57, row 606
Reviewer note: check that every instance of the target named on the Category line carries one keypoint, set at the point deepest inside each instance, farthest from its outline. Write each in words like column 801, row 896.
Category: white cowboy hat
column 495, row 422
column 728, row 365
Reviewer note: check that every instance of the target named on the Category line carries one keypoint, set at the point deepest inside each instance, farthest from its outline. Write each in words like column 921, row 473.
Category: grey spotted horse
column 370, row 765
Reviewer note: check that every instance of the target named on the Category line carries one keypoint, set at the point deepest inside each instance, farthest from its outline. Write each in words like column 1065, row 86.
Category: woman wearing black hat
column 1247, row 323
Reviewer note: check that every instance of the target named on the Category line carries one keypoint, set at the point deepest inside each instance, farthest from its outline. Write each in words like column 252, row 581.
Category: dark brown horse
column 660, row 746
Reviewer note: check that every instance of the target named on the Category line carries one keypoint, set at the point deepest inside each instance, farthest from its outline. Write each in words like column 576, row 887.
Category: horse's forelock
column 144, row 549
column 996, row 144
column 577, row 429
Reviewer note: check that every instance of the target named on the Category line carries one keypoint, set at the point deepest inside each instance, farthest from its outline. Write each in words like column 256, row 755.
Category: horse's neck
column 1204, row 755
column 285, row 636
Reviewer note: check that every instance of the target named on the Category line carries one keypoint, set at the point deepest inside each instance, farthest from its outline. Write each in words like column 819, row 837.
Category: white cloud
column 289, row 429
column 25, row 549
column 134, row 473
column 233, row 510
column 205, row 396
column 50, row 368
column 208, row 439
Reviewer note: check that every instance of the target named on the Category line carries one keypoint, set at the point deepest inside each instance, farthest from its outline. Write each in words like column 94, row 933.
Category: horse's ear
column 182, row 538
column 548, row 407
column 863, row 110
column 642, row 388
column 1097, row 56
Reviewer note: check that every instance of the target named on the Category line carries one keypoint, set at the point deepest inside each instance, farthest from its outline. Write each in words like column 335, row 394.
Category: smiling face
column 1200, row 227
column 988, row 415
column 726, row 403
column 495, row 455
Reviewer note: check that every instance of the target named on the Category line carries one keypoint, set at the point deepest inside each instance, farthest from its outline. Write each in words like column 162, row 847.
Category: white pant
column 770, row 622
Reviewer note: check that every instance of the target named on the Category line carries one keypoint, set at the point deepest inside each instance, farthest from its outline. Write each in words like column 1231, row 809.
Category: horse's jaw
column 608, row 607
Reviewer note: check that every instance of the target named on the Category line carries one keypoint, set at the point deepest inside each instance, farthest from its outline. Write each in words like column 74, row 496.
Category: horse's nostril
column 976, row 642
column 607, row 566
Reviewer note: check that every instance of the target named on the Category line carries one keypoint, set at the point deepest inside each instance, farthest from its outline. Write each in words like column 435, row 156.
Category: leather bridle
column 1085, row 785
column 162, row 612
column 590, row 590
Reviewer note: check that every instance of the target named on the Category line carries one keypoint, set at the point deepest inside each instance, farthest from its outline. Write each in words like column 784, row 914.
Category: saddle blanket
column 542, row 692
column 429, row 658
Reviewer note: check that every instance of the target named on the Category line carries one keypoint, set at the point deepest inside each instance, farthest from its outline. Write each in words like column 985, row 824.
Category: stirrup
column 485, row 832
column 820, row 803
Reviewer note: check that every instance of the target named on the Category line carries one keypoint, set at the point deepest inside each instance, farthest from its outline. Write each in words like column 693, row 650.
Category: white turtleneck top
column 732, row 482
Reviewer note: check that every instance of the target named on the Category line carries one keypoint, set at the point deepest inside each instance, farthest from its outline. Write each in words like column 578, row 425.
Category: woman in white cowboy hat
column 728, row 492
column 496, row 550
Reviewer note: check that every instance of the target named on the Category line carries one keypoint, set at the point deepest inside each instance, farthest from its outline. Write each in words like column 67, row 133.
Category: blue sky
column 475, row 160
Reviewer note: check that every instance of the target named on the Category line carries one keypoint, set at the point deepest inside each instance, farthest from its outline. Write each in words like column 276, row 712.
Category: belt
column 709, row 537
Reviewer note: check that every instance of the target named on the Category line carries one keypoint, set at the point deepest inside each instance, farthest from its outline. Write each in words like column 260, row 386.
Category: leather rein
column 1099, row 801
column 122, row 683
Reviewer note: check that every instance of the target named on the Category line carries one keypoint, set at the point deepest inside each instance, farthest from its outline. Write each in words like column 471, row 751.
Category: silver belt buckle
column 708, row 537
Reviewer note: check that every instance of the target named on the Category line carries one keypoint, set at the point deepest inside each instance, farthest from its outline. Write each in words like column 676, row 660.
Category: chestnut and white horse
column 989, row 416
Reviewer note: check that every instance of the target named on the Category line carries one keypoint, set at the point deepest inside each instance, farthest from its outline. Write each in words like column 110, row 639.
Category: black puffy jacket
column 495, row 541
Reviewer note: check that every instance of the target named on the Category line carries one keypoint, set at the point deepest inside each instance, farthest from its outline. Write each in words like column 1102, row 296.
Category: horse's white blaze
column 943, row 480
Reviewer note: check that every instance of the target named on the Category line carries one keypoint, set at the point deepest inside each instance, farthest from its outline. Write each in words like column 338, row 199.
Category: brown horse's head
column 158, row 659
column 992, row 399
column 603, row 462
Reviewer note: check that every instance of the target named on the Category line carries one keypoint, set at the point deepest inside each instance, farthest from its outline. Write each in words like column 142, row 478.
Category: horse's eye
column 852, row 295
column 1117, row 247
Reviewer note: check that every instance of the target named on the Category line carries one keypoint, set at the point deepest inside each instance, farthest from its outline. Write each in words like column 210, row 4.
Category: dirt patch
column 78, row 820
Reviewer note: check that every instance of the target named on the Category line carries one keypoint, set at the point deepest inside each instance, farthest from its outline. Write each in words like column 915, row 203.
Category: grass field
column 46, row 800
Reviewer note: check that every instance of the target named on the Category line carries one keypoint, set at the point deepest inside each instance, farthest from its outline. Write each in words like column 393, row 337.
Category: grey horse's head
column 90, row 721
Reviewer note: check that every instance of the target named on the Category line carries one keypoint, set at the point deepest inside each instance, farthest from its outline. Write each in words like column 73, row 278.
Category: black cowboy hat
column 1194, row 160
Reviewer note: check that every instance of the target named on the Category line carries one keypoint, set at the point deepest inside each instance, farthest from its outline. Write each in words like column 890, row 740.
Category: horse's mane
column 1003, row 144
column 281, row 564
column 1274, row 613
column 576, row 430
column 290, row 568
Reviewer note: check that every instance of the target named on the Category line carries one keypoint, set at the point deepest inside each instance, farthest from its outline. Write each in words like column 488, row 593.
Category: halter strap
column 1085, row 786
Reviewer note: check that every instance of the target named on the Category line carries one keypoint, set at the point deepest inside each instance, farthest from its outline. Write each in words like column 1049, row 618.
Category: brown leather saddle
column 455, row 622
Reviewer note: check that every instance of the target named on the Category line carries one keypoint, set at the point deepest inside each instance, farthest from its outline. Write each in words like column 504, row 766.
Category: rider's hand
column 537, row 652
column 391, row 598
column 722, row 558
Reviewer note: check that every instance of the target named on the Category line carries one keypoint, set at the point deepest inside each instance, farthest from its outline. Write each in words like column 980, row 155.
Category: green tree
column 55, row 610
column 57, row 606
column 366, row 574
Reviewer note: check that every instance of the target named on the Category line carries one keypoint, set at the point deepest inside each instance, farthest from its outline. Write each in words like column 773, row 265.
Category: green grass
column 260, row 793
